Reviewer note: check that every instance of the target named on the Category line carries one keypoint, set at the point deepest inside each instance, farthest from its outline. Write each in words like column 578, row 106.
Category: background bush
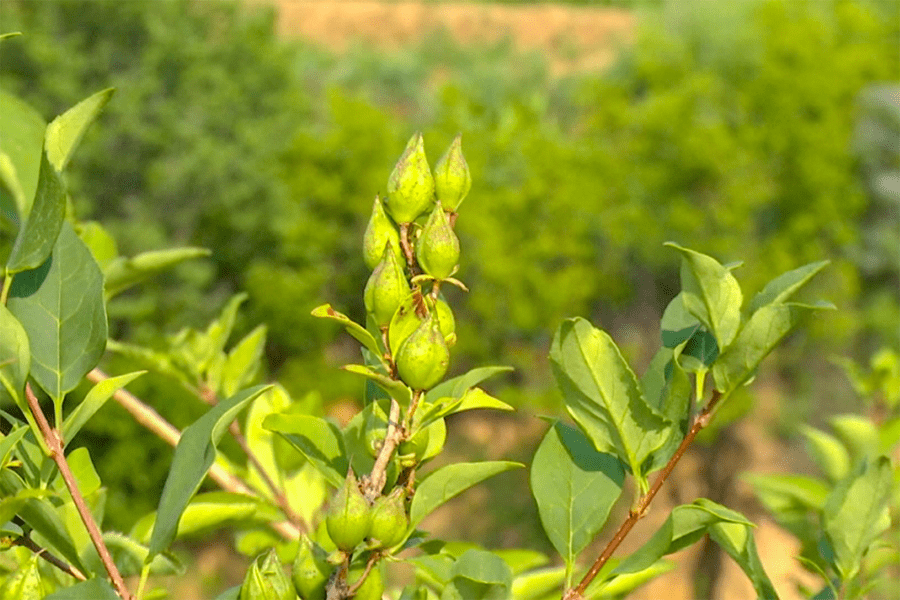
column 736, row 131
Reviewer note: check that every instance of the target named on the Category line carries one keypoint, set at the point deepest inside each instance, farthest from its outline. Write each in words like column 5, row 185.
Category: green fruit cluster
column 410, row 240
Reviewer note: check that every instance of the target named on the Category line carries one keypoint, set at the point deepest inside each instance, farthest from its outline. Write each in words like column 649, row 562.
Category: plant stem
column 27, row 542
column 54, row 442
column 643, row 503
column 152, row 420
column 376, row 479
column 362, row 578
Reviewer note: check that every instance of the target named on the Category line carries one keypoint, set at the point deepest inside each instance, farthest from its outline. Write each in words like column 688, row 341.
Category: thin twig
column 378, row 476
column 54, row 442
column 362, row 578
column 26, row 542
column 640, row 509
column 152, row 420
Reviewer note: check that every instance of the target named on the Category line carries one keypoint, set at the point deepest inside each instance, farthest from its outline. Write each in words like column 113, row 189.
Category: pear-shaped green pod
column 423, row 357
column 446, row 320
column 379, row 232
column 412, row 451
column 310, row 571
column 266, row 580
column 386, row 288
column 372, row 588
column 438, row 247
column 406, row 319
column 411, row 184
column 349, row 516
column 389, row 520
column 452, row 180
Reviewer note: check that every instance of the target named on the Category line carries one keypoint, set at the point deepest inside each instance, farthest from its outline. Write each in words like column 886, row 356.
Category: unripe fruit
column 375, row 429
column 404, row 321
column 412, row 451
column 423, row 357
column 386, row 288
column 451, row 176
column 379, row 232
column 310, row 571
column 349, row 517
column 389, row 520
column 438, row 247
column 411, row 184
column 446, row 320
column 265, row 580
column 372, row 588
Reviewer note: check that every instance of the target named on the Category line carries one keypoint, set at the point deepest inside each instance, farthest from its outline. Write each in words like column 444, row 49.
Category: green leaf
column 783, row 492
column 603, row 395
column 244, row 361
column 95, row 589
column 686, row 524
column 195, row 453
column 15, row 359
column 760, row 334
column 828, row 453
column 856, row 513
column 320, row 441
column 24, row 584
column 858, row 433
column 93, row 402
column 737, row 540
column 8, row 442
column 780, row 289
column 456, row 387
column 9, row 181
column 394, row 387
column 677, row 324
column 575, row 487
column 37, row 236
column 710, row 293
column 122, row 273
column 539, row 584
column 667, row 388
column 355, row 329
column 476, row 398
column 449, row 481
column 60, row 305
column 232, row 593
column 208, row 512
column 130, row 555
column 22, row 140
column 622, row 584
column 478, row 575
column 42, row 517
column 65, row 131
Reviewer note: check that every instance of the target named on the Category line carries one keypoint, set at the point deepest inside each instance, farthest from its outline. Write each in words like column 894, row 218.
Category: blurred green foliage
column 729, row 130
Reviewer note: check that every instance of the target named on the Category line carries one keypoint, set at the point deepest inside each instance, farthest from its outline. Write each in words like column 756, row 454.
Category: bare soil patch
column 572, row 38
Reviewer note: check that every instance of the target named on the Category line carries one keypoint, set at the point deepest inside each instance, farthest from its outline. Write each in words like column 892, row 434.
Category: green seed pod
column 438, row 247
column 405, row 320
column 446, row 320
column 349, row 517
column 386, row 288
column 389, row 520
column 411, row 185
column 311, row 570
column 379, row 232
column 423, row 357
column 412, row 451
column 375, row 429
column 451, row 176
column 372, row 588
column 265, row 580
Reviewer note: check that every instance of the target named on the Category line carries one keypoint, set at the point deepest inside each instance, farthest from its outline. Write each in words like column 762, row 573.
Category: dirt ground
column 572, row 38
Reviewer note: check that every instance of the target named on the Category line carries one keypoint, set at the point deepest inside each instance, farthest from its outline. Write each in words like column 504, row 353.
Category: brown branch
column 26, row 542
column 375, row 481
column 640, row 509
column 54, row 442
column 362, row 578
column 152, row 420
